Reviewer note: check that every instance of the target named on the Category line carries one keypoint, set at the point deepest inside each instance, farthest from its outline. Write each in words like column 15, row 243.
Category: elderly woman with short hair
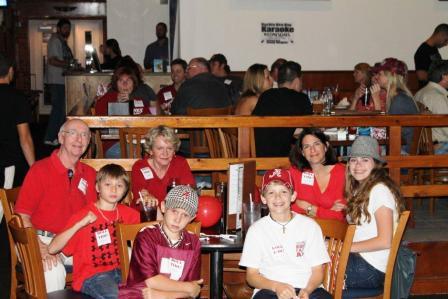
column 152, row 175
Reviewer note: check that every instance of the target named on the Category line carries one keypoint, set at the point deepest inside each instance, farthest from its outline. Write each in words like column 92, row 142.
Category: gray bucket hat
column 184, row 197
column 366, row 146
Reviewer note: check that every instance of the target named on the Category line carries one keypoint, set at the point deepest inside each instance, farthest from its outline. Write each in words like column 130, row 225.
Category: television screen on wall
column 3, row 3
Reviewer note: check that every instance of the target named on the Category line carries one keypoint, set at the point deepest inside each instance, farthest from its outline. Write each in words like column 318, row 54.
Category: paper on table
column 236, row 191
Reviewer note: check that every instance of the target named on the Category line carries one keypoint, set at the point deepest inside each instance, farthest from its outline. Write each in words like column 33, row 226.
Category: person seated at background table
column 287, row 100
column 152, row 175
column 220, row 69
column 90, row 238
column 374, row 205
column 318, row 179
column 435, row 97
column 167, row 94
column 166, row 259
column 392, row 77
column 284, row 252
column 363, row 76
column 124, row 81
column 201, row 90
column 257, row 80
column 275, row 66
column 112, row 54
column 142, row 91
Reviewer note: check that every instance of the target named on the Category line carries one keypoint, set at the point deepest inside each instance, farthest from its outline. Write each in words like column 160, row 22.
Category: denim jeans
column 57, row 115
column 318, row 293
column 441, row 149
column 360, row 274
column 103, row 285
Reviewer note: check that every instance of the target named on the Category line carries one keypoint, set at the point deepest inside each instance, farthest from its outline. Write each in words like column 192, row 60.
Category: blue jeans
column 441, row 149
column 103, row 285
column 57, row 115
column 360, row 274
column 318, row 293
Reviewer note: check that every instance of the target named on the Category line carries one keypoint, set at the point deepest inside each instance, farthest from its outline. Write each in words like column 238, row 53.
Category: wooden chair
column 339, row 236
column 126, row 234
column 384, row 293
column 198, row 141
column 8, row 199
column 229, row 142
column 131, row 142
column 29, row 252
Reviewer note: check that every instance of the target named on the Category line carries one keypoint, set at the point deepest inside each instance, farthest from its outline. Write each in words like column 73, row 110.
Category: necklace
column 281, row 224
column 105, row 218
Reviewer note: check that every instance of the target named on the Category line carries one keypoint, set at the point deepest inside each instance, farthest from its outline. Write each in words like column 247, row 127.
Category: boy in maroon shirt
column 166, row 259
column 90, row 236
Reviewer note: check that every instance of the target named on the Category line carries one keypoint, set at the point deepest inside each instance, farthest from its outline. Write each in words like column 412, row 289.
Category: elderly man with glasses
column 53, row 190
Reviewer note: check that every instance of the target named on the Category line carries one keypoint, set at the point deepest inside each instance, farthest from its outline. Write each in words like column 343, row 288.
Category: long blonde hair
column 396, row 83
column 358, row 193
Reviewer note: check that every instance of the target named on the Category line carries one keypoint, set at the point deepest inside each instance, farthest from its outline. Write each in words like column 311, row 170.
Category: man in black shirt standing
column 287, row 100
column 428, row 52
column 157, row 51
column 16, row 152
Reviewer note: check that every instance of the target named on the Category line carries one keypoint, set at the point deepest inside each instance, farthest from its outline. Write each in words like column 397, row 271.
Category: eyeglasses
column 74, row 133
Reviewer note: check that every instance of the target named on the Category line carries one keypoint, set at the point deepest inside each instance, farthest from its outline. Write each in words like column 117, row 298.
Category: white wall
column 133, row 24
column 329, row 35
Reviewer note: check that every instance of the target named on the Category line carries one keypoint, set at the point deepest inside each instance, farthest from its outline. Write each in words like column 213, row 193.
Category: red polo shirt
column 50, row 198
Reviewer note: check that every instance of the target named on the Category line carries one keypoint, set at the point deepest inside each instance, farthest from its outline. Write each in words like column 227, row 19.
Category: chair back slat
column 8, row 199
column 28, row 248
column 339, row 237
column 396, row 241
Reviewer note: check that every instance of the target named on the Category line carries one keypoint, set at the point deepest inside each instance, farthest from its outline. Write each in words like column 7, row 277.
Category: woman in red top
column 318, row 179
column 152, row 175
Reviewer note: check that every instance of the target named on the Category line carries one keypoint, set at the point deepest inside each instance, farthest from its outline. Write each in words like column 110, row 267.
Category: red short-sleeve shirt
column 90, row 255
column 50, row 198
column 178, row 169
column 311, row 192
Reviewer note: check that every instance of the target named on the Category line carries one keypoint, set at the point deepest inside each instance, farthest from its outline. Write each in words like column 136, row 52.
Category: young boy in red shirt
column 90, row 236
column 166, row 259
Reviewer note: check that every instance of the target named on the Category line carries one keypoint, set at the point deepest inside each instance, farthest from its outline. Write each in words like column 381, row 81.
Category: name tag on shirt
column 147, row 173
column 173, row 267
column 167, row 96
column 308, row 178
column 82, row 186
column 138, row 103
column 227, row 81
column 102, row 237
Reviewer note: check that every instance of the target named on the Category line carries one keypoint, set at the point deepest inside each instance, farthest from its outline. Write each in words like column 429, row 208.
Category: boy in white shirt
column 284, row 252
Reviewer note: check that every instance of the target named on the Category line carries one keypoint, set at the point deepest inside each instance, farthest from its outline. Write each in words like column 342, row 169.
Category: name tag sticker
column 308, row 178
column 82, row 186
column 138, row 103
column 227, row 81
column 173, row 267
column 102, row 237
column 167, row 96
column 147, row 173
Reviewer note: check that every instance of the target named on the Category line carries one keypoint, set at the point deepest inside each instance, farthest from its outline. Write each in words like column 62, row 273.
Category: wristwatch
column 309, row 209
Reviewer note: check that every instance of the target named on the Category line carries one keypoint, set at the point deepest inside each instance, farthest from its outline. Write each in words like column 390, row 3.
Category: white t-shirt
column 287, row 257
column 380, row 196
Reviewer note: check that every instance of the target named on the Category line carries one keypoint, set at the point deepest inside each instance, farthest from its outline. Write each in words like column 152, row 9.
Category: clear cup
column 148, row 213
column 251, row 213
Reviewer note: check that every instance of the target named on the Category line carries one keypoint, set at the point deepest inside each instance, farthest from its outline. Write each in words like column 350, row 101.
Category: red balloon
column 209, row 210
